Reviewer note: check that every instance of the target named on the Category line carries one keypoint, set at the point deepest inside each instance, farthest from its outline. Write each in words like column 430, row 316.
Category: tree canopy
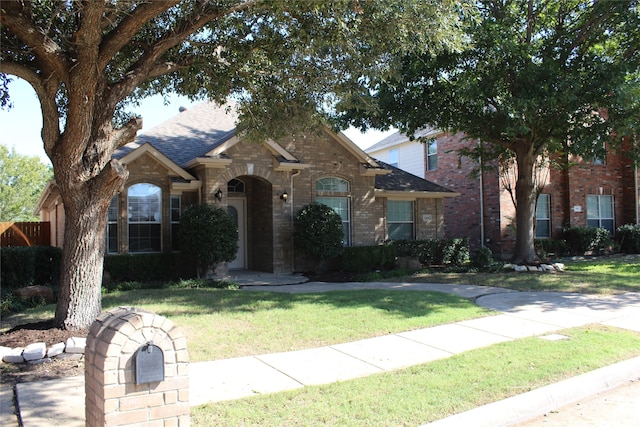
column 22, row 179
column 286, row 61
column 537, row 78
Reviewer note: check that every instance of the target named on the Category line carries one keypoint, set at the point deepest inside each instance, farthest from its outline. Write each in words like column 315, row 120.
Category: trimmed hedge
column 628, row 236
column 587, row 239
column 148, row 267
column 364, row 259
column 30, row 265
column 548, row 247
column 435, row 251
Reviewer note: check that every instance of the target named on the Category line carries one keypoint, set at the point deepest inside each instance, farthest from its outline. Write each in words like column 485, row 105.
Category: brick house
column 197, row 157
column 600, row 193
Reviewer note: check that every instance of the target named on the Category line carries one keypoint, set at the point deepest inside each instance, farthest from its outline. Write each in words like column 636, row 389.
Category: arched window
column 144, row 205
column 332, row 183
column 235, row 186
column 334, row 192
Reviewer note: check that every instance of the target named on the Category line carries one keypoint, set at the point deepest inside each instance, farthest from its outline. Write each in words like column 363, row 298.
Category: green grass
column 221, row 324
column 425, row 393
column 605, row 276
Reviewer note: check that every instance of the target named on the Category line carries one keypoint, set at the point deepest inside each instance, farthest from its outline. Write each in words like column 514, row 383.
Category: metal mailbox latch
column 149, row 364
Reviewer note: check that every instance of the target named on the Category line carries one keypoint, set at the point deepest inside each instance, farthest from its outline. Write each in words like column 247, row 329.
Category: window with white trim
column 112, row 227
column 600, row 212
column 175, row 223
column 393, row 157
column 543, row 217
column 334, row 192
column 400, row 220
column 144, row 202
column 432, row 154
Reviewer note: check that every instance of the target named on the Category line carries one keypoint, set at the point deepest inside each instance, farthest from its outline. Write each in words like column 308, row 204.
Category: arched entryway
column 250, row 202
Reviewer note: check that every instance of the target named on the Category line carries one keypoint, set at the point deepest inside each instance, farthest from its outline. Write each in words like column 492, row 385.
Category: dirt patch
column 23, row 335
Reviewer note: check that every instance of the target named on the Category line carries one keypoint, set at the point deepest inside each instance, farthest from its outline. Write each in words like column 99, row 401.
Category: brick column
column 112, row 396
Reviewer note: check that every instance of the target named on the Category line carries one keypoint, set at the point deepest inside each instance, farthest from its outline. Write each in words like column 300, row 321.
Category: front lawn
column 601, row 276
column 220, row 324
column 428, row 392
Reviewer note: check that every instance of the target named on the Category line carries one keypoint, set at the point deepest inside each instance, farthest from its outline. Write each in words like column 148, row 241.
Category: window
column 145, row 219
column 338, row 202
column 543, row 217
column 235, row 186
column 432, row 154
column 332, row 184
column 340, row 205
column 393, row 157
column 175, row 223
column 112, row 227
column 600, row 212
column 400, row 220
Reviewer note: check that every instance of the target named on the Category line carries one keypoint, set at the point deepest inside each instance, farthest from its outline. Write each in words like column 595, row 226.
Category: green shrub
column 587, row 239
column 11, row 304
column 179, row 284
column 482, row 259
column 551, row 247
column 317, row 233
column 434, row 251
column 209, row 235
column 453, row 251
column 142, row 267
column 363, row 259
column 30, row 265
column 628, row 236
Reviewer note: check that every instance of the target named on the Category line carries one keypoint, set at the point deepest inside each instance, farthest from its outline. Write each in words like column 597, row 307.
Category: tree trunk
column 525, row 252
column 79, row 300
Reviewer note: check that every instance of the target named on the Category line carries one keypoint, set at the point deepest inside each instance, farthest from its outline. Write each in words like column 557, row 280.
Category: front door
column 237, row 209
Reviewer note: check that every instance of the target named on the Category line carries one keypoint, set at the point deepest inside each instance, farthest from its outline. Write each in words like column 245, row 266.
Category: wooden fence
column 25, row 234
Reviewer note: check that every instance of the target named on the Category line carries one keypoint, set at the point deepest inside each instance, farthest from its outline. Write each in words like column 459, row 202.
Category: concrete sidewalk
column 524, row 314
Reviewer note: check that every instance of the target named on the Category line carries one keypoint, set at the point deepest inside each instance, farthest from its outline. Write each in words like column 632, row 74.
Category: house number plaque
column 149, row 361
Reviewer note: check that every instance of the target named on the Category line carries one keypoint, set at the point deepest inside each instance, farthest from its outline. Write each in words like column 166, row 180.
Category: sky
column 21, row 125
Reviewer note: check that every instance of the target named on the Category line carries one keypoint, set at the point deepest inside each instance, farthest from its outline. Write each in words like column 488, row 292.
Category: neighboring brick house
column 602, row 193
column 197, row 157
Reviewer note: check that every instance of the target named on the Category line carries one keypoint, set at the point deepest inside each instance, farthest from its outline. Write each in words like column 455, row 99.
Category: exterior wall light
column 284, row 196
column 219, row 195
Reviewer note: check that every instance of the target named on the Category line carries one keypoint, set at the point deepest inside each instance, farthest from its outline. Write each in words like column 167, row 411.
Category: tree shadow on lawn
column 407, row 304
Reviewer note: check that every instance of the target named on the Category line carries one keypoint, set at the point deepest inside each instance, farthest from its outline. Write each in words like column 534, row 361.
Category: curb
column 526, row 406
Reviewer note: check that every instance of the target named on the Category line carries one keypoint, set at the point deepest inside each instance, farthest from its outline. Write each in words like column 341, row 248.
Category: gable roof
column 188, row 135
column 401, row 182
column 202, row 134
column 399, row 138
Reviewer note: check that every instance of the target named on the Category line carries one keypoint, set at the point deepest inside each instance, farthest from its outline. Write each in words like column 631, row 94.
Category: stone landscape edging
column 38, row 352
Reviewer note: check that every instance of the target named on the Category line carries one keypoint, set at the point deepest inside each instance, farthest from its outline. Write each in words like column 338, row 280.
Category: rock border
column 38, row 352
column 542, row 268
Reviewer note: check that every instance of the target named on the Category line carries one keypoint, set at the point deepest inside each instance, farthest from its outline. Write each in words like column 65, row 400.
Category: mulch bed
column 23, row 335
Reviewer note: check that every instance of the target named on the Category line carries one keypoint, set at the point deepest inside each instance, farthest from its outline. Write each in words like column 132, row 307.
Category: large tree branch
column 122, row 34
column 45, row 91
column 48, row 52
column 148, row 66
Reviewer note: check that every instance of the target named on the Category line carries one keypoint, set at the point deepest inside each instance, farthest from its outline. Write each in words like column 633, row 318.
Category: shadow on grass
column 407, row 304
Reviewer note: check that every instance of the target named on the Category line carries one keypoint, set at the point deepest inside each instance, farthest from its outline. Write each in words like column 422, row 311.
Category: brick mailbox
column 136, row 371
